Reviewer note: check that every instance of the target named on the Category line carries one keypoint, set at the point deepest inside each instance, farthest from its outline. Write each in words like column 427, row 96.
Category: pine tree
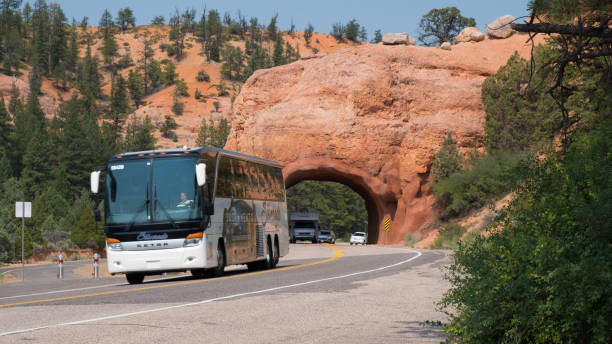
column 6, row 142
column 377, row 37
column 170, row 73
column 155, row 75
column 36, row 164
column 447, row 161
column 272, row 28
column 119, row 101
column 58, row 41
column 73, row 153
column 106, row 23
column 177, row 34
column 135, row 86
column 308, row 34
column 40, row 37
column 168, row 127
column 125, row 18
column 210, row 135
column 278, row 57
column 139, row 136
column 147, row 54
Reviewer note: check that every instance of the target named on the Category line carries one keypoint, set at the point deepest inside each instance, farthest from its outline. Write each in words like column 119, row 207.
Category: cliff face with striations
column 371, row 117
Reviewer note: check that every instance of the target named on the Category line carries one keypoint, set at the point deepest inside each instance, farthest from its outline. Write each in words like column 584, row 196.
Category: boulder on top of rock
column 445, row 46
column 470, row 34
column 398, row 38
column 500, row 27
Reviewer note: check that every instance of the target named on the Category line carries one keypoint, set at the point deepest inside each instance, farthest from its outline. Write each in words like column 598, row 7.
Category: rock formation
column 398, row 38
column 470, row 34
column 500, row 27
column 371, row 117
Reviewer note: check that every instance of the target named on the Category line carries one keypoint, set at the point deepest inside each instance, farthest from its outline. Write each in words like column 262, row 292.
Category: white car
column 359, row 238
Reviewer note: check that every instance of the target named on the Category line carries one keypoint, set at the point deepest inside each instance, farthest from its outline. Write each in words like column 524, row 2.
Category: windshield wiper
column 143, row 207
column 174, row 225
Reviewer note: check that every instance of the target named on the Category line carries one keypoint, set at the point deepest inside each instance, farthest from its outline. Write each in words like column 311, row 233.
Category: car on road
column 325, row 235
column 358, row 238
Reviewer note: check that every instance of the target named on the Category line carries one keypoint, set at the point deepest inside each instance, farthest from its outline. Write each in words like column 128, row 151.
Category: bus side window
column 224, row 183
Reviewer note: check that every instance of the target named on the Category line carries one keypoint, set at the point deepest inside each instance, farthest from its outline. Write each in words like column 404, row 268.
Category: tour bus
column 196, row 209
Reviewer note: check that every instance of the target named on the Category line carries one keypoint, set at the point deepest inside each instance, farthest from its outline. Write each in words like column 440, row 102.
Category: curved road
column 318, row 293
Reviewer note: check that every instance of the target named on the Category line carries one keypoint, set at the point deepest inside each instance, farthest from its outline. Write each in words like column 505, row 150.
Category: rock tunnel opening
column 364, row 185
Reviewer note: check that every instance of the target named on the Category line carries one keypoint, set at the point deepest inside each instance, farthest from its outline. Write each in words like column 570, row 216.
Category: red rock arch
column 380, row 202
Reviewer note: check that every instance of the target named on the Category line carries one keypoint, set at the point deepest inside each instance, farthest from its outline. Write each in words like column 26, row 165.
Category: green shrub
column 491, row 176
column 203, row 76
column 197, row 94
column 410, row 239
column 546, row 276
column 448, row 236
column 177, row 108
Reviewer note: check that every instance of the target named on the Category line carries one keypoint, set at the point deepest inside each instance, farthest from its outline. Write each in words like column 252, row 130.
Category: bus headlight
column 116, row 246
column 193, row 239
column 191, row 242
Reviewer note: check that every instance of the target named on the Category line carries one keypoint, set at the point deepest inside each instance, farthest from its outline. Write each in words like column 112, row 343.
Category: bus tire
column 134, row 278
column 268, row 263
column 198, row 273
column 218, row 270
column 276, row 252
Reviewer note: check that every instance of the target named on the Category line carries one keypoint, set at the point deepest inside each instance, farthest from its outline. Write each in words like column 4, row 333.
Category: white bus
column 198, row 209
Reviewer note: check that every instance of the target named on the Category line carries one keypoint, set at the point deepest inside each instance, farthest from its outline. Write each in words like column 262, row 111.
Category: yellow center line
column 339, row 254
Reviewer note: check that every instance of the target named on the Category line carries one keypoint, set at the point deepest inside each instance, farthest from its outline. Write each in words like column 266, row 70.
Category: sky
column 386, row 15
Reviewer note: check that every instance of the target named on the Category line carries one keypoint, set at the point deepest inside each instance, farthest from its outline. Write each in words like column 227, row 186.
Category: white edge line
column 122, row 315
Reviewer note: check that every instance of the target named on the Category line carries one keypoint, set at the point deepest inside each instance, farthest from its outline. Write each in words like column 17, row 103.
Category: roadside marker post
column 23, row 210
column 387, row 228
column 96, row 259
column 60, row 266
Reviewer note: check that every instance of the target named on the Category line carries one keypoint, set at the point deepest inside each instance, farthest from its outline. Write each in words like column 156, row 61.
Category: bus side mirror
column 200, row 170
column 95, row 181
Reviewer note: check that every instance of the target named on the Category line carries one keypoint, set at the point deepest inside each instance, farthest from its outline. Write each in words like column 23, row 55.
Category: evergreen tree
column 139, row 136
column 6, row 126
column 6, row 172
column 109, row 49
column 119, row 101
column 125, row 19
column 232, row 63
column 278, row 57
column 85, row 234
column 377, row 37
column 73, row 153
column 170, row 74
column 442, row 25
column 177, row 34
column 106, row 23
column 308, row 33
column 351, row 30
column 272, row 28
column 211, row 135
column 168, row 127
column 155, row 75
column 447, row 161
column 40, row 44
column 89, row 80
column 147, row 54
column 58, row 42
column 135, row 86
column 338, row 31
column 213, row 49
column 158, row 20
column 13, row 51
column 36, row 164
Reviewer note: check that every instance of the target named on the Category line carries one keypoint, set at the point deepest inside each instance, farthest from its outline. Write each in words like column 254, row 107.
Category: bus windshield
column 152, row 190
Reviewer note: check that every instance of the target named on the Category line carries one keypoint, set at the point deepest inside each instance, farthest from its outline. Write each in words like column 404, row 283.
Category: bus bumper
column 156, row 261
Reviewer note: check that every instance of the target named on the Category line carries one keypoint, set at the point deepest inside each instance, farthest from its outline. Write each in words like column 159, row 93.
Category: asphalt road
column 318, row 293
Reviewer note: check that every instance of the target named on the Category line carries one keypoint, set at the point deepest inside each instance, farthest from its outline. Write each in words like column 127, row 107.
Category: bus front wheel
column 134, row 278
column 218, row 271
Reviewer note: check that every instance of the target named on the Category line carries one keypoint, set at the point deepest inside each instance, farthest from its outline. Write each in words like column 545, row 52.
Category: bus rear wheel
column 134, row 278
